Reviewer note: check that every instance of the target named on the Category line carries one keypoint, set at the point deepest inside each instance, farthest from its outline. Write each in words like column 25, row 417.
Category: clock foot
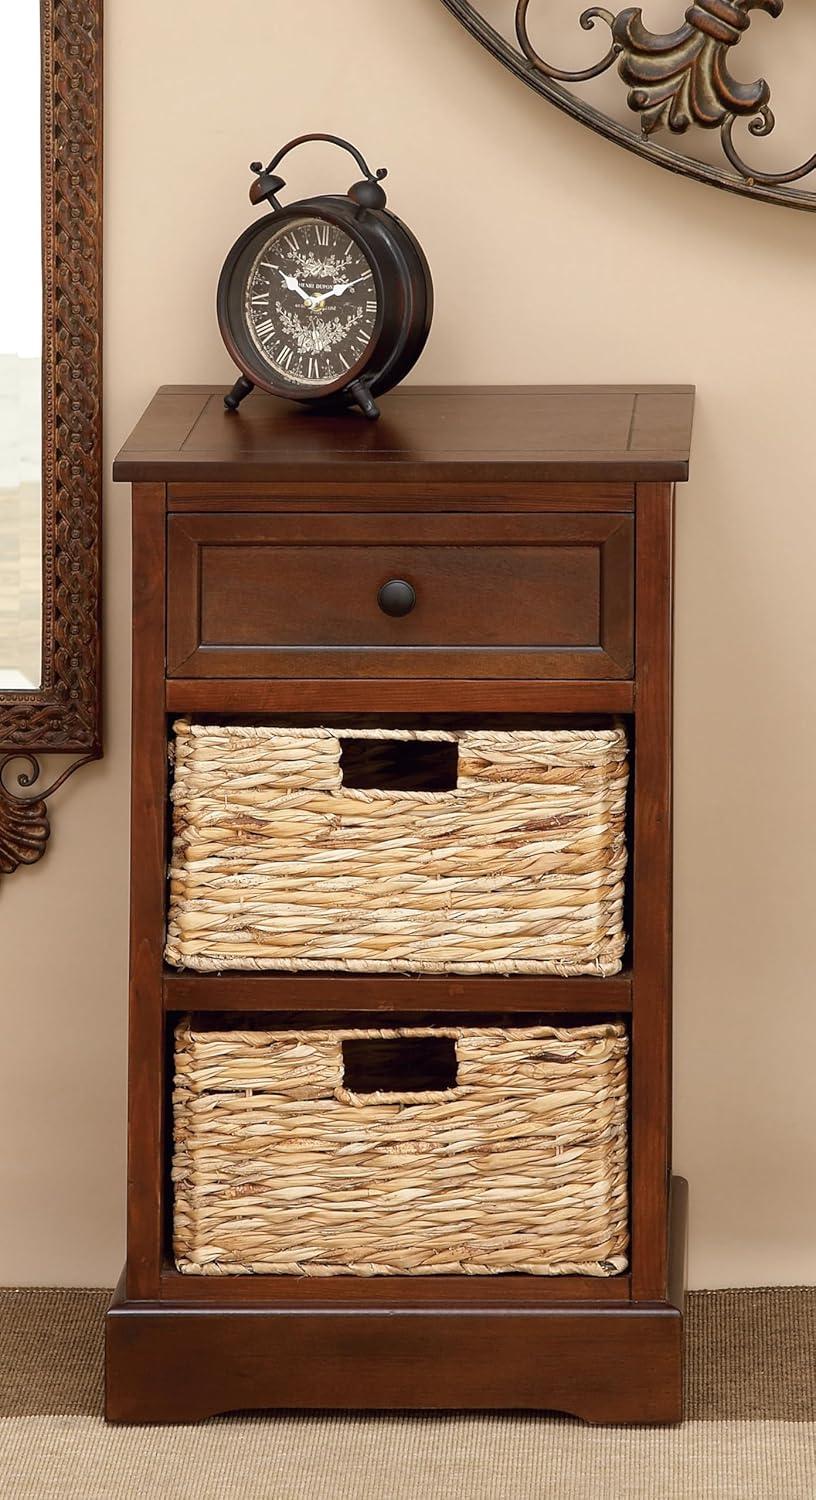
column 362, row 395
column 241, row 388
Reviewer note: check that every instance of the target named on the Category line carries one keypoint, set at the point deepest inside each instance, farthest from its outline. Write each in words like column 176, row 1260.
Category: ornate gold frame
column 63, row 715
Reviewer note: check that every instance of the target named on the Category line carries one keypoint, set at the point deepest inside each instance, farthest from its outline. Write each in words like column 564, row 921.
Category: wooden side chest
column 497, row 557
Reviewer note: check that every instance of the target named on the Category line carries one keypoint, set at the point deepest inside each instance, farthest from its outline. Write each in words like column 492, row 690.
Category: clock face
column 310, row 303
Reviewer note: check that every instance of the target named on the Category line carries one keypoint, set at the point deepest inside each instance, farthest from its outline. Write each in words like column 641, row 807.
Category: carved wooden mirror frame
column 63, row 715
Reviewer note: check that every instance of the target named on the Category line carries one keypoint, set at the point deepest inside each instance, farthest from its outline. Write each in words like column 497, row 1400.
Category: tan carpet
column 750, row 1433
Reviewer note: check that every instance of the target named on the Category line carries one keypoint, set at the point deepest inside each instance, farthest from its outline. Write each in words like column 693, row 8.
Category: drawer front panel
column 495, row 596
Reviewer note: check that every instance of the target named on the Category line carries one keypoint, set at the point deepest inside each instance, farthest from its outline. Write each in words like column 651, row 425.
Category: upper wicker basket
column 517, row 869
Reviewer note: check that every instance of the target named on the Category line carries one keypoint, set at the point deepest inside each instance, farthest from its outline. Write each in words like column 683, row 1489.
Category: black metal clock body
column 328, row 300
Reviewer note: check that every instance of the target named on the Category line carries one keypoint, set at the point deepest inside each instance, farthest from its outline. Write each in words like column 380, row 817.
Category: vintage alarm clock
column 328, row 300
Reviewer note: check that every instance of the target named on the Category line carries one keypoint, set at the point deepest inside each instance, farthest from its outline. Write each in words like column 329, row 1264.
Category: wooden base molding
column 602, row 1362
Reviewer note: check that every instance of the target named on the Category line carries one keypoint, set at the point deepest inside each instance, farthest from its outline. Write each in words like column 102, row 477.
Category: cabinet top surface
column 500, row 433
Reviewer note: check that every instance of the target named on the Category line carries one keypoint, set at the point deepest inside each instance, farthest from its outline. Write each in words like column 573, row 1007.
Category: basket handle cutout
column 399, row 1065
column 399, row 765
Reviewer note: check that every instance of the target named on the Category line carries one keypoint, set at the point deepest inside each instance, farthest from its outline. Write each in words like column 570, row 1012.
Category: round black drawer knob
column 396, row 598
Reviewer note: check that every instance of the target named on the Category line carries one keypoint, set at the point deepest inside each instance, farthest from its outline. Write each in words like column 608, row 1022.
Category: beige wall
column 628, row 274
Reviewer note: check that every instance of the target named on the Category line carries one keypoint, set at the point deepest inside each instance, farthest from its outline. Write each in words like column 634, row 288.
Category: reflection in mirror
column 21, row 352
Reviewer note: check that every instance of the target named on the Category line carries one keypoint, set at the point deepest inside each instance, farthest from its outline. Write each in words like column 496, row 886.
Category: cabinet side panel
column 148, row 859
column 652, row 895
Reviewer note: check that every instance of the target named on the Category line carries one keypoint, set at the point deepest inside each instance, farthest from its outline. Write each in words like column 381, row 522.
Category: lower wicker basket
column 515, row 1160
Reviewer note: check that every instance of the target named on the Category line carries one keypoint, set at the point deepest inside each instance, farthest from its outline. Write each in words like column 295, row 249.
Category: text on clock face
column 310, row 302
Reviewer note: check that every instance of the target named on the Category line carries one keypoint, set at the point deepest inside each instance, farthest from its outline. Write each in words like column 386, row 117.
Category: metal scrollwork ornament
column 676, row 81
column 24, row 825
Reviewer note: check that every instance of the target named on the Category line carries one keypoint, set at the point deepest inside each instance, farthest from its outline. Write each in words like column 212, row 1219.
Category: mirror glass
column 20, row 351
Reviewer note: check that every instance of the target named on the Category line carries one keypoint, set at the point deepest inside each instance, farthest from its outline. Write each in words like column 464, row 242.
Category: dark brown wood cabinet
column 534, row 526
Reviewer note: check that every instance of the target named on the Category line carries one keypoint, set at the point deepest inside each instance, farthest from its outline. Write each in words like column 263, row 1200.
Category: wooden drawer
column 547, row 596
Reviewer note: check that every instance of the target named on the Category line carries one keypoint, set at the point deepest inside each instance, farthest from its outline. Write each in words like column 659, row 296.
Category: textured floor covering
column 750, row 1432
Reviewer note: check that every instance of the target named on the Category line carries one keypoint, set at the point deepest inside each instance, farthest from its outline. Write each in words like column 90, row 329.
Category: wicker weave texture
column 277, row 865
column 521, row 1166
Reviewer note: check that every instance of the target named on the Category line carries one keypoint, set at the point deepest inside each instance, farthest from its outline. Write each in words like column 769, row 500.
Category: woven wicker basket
column 519, row 868
column 521, row 1165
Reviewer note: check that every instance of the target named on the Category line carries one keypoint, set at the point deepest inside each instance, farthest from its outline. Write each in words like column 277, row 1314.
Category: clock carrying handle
column 366, row 194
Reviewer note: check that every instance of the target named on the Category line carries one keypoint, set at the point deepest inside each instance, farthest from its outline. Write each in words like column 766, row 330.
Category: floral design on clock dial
column 311, row 302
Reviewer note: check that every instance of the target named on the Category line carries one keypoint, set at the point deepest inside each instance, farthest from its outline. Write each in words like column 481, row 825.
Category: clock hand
column 334, row 291
column 293, row 285
column 338, row 289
